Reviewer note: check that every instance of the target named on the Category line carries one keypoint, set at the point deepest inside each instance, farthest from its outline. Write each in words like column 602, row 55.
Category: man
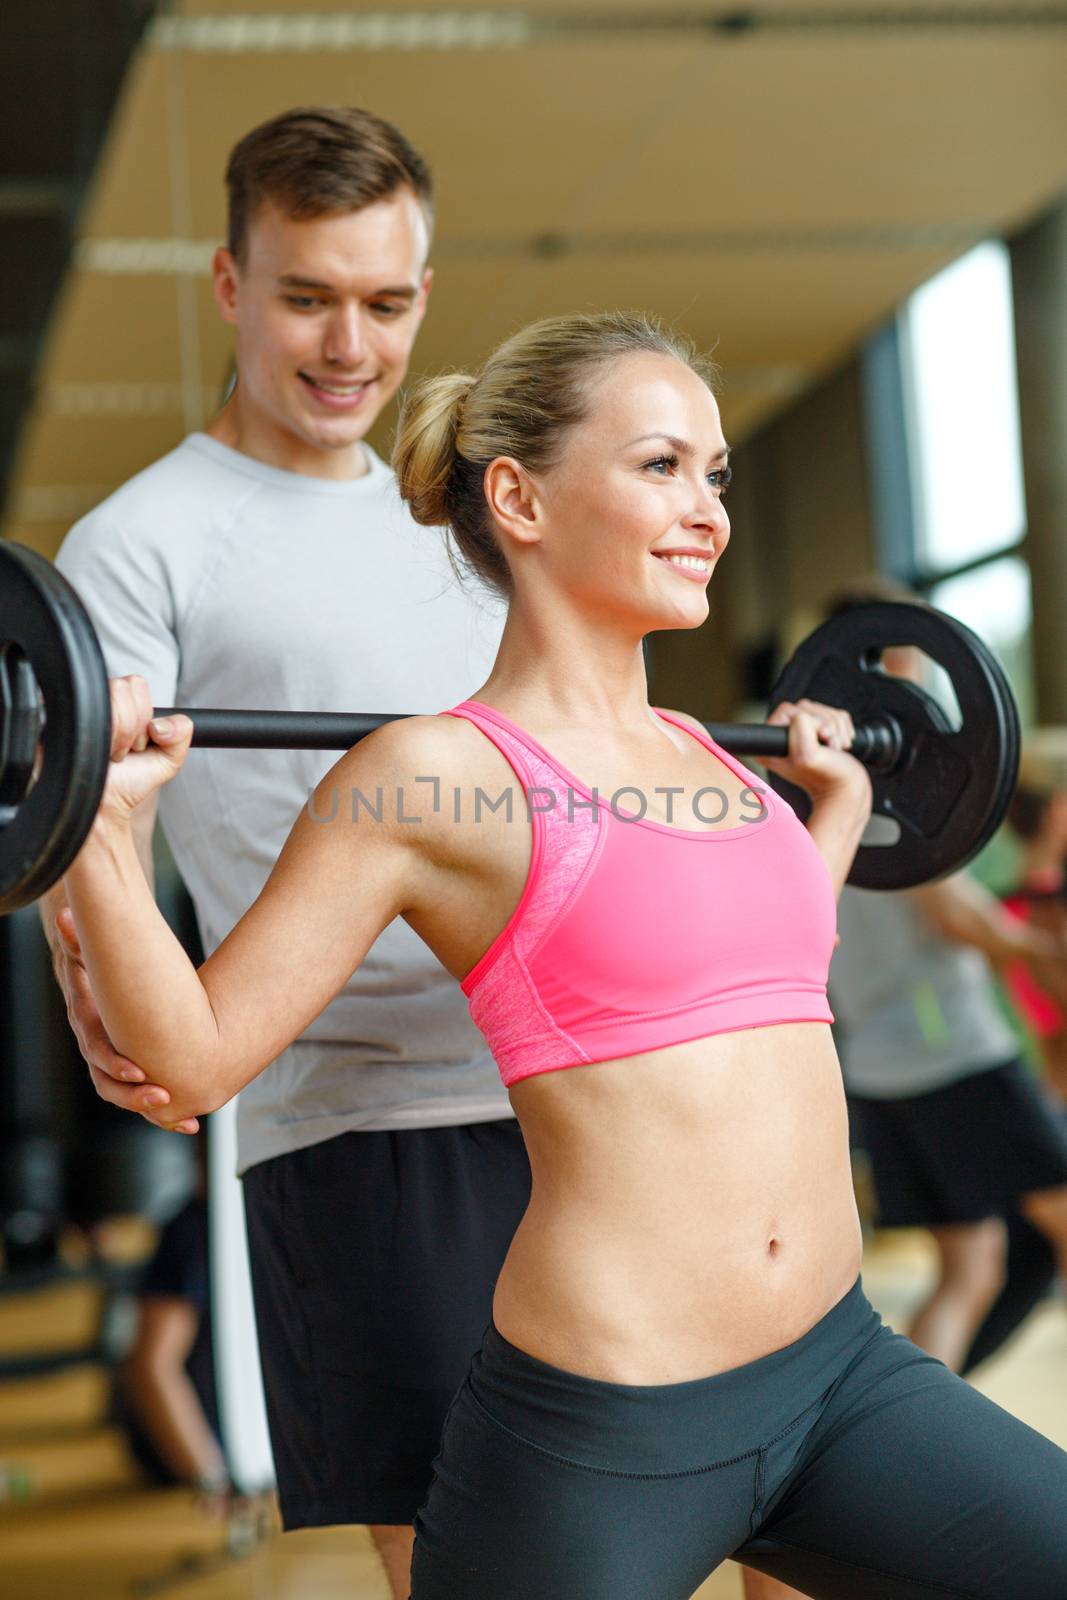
column 383, row 1172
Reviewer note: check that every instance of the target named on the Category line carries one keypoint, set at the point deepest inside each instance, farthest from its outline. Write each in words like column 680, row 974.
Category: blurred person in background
column 1038, row 818
column 164, row 1398
column 958, row 1132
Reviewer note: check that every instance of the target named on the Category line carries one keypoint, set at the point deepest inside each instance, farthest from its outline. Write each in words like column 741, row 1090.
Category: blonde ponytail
column 424, row 455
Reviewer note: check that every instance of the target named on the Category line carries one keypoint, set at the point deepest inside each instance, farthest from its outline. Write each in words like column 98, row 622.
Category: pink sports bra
column 632, row 934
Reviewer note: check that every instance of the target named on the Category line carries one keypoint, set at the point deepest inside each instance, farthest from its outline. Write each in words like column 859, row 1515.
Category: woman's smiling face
column 633, row 516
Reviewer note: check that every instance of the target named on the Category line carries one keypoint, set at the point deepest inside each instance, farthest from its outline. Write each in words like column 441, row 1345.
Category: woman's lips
column 686, row 572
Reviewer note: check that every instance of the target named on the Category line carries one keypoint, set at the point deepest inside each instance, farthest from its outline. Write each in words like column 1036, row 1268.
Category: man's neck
column 263, row 442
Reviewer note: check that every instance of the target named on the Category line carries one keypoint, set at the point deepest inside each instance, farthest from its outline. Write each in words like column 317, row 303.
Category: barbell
column 941, row 790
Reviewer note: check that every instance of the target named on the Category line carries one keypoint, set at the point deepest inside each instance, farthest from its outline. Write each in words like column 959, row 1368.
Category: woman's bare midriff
column 692, row 1208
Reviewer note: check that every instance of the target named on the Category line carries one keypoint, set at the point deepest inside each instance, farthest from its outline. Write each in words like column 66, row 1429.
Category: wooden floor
column 88, row 1532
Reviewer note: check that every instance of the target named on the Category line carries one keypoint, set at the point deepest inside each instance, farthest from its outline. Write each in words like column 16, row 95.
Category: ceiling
column 775, row 178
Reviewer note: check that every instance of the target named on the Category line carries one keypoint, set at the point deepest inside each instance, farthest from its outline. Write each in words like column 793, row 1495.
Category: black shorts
column 849, row 1464
column 963, row 1152
column 374, row 1257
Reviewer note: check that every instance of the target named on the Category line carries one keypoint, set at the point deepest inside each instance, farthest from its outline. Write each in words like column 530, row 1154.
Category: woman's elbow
column 185, row 1106
column 193, row 1093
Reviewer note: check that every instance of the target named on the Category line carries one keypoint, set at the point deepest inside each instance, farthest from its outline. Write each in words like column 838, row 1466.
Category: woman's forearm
column 836, row 823
column 152, row 1003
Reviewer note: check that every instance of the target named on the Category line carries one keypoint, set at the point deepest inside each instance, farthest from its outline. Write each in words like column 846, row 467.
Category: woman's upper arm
column 343, row 875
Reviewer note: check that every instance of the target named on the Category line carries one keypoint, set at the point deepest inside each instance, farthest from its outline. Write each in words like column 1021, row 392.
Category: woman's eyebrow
column 682, row 446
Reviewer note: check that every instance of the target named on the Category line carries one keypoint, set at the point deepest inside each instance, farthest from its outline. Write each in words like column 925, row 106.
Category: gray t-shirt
column 225, row 582
column 914, row 1011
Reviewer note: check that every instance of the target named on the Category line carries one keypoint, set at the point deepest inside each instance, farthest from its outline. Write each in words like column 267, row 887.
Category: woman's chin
column 691, row 616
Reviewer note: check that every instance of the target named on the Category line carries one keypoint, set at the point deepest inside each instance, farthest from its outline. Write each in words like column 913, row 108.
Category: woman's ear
column 512, row 497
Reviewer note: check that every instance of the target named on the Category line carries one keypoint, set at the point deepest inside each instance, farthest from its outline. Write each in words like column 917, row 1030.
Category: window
column 945, row 459
column 994, row 600
column 945, row 453
column 962, row 414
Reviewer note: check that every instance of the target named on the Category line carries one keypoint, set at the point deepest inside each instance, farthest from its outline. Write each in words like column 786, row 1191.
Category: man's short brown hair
column 318, row 159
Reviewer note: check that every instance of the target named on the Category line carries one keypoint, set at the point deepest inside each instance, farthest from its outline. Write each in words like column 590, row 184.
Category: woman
column 681, row 1364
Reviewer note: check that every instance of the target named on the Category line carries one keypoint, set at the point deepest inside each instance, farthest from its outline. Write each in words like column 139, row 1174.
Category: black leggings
column 848, row 1464
column 1031, row 1274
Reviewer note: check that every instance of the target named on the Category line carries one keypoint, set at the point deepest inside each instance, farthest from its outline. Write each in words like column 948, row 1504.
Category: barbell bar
column 879, row 744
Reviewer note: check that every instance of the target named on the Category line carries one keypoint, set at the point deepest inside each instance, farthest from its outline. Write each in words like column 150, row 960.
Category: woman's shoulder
column 425, row 769
column 416, row 750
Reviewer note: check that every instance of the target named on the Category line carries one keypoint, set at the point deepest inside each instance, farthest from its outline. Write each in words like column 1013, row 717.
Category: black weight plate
column 950, row 792
column 20, row 727
column 46, row 623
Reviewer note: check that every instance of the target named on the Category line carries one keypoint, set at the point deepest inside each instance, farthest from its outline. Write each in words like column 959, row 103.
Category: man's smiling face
column 326, row 310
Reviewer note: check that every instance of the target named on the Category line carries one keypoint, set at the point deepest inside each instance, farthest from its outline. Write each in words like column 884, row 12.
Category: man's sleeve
column 124, row 585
